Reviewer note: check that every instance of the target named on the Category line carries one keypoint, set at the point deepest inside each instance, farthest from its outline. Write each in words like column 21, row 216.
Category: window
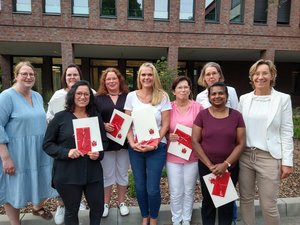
column 236, row 11
column 284, row 10
column 80, row 7
column 108, row 8
column 186, row 10
column 135, row 9
column 212, row 10
column 261, row 11
column 52, row 6
column 161, row 9
column 22, row 5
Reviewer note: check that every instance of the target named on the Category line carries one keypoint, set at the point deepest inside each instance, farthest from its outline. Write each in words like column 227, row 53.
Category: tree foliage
column 166, row 75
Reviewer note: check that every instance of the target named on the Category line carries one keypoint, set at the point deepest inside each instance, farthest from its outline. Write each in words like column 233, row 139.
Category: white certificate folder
column 87, row 134
column 145, row 125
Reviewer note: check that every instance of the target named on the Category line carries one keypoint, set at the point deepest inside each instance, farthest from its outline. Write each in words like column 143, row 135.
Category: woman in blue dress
column 25, row 169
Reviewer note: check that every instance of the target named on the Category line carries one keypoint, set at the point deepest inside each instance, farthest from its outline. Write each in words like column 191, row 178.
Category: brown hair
column 178, row 79
column 102, row 90
column 63, row 77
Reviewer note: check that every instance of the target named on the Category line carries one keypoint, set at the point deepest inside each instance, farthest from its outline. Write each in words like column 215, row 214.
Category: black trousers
column 208, row 210
column 71, row 195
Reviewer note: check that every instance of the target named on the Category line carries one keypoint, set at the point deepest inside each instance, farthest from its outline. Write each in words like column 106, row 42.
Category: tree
column 166, row 75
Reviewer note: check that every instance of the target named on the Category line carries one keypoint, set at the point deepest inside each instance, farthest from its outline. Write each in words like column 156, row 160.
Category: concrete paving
column 289, row 209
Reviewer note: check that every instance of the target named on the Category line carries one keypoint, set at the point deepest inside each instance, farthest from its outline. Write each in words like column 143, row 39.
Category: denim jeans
column 147, row 168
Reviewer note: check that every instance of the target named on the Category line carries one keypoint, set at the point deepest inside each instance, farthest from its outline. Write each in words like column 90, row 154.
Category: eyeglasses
column 27, row 74
column 111, row 79
column 80, row 94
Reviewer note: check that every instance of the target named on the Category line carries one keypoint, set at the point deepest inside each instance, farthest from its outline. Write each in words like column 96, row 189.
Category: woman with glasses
column 25, row 170
column 112, row 95
column 73, row 172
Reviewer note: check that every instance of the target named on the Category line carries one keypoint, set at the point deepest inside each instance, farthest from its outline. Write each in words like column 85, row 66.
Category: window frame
column 168, row 11
column 52, row 13
column 242, row 13
column 193, row 12
column 81, row 14
column 101, row 12
column 217, row 14
column 21, row 11
column 133, row 17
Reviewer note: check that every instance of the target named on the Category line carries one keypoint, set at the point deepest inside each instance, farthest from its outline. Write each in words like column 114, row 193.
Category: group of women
column 251, row 139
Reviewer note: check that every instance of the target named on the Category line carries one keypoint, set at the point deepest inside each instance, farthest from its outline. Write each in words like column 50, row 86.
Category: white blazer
column 279, row 133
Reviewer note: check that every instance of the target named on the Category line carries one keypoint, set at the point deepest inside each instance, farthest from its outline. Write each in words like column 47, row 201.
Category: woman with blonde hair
column 148, row 161
column 25, row 170
column 268, row 157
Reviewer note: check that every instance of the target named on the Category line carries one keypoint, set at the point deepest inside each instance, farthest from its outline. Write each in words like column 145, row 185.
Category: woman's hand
column 93, row 155
column 8, row 166
column 286, row 171
column 109, row 127
column 173, row 137
column 74, row 153
column 219, row 169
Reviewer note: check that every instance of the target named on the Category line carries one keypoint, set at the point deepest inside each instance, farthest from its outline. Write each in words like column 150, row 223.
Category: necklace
column 114, row 94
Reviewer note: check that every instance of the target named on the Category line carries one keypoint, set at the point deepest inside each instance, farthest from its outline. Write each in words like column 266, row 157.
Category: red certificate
column 220, row 184
column 84, row 139
column 117, row 121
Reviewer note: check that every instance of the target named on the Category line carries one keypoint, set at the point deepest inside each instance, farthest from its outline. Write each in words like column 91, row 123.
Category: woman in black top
column 73, row 172
column 112, row 95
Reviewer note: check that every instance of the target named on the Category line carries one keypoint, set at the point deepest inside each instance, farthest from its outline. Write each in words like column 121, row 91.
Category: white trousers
column 115, row 167
column 182, row 180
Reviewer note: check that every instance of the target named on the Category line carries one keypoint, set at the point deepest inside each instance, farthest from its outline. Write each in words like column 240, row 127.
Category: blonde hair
column 20, row 65
column 201, row 80
column 272, row 69
column 158, row 93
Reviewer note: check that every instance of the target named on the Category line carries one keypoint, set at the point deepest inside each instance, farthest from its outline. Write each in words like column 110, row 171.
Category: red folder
column 117, row 121
column 84, row 139
column 220, row 184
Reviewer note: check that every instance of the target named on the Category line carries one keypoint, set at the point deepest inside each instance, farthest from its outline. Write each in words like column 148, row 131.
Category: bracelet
column 228, row 164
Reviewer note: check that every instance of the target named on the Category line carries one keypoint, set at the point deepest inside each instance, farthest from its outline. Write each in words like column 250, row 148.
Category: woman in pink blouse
column 182, row 174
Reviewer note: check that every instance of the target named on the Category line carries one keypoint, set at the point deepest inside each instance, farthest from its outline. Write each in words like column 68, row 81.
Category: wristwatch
column 228, row 164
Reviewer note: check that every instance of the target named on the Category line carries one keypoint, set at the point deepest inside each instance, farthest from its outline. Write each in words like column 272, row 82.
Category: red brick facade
column 271, row 41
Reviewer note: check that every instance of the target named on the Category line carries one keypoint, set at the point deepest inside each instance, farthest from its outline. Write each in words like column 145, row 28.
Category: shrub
column 296, row 121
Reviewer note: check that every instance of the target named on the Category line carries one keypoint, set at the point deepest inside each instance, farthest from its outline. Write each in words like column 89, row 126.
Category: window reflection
column 81, row 7
column 108, row 8
column 212, row 8
column 52, row 6
column 284, row 10
column 186, row 10
column 236, row 11
column 23, row 6
column 135, row 8
column 261, row 11
column 161, row 9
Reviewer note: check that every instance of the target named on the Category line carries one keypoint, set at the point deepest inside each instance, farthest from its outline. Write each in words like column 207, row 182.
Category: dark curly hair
column 70, row 105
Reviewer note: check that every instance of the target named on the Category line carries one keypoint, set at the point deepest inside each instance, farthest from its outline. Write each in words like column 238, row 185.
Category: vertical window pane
column 261, row 11
column 108, row 8
column 186, row 10
column 135, row 8
column 161, row 9
column 236, row 11
column 81, row 7
column 212, row 9
column 23, row 5
column 52, row 6
column 284, row 10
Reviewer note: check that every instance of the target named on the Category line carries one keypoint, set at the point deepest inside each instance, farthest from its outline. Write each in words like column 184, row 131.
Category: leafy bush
column 166, row 75
column 296, row 120
column 131, row 189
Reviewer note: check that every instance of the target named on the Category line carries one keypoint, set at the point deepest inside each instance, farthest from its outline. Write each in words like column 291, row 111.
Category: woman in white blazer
column 269, row 153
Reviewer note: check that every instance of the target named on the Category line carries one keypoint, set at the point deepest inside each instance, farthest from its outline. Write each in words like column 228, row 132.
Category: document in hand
column 183, row 147
column 121, row 122
column 87, row 135
column 221, row 189
column 145, row 126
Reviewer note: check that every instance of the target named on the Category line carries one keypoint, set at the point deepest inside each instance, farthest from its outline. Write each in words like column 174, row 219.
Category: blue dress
column 22, row 129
